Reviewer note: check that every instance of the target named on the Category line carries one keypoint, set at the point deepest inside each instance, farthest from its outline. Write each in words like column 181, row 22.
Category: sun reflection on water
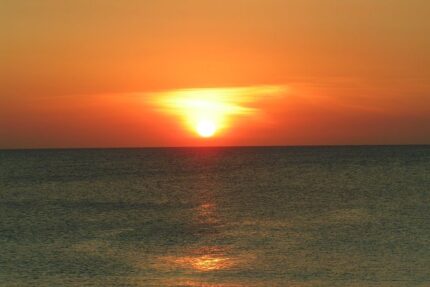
column 206, row 213
column 192, row 283
column 207, row 259
column 206, row 262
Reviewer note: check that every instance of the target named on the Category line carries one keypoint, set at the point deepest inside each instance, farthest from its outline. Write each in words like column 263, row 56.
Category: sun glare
column 206, row 128
column 208, row 111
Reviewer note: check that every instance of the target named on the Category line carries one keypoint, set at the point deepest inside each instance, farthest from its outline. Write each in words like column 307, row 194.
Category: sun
column 206, row 128
column 209, row 112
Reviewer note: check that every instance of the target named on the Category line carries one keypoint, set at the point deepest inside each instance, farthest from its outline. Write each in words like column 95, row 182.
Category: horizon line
column 215, row 146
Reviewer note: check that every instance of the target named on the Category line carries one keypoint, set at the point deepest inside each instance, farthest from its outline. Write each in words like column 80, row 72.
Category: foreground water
column 216, row 217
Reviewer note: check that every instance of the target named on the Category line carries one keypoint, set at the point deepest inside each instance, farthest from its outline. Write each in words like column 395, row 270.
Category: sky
column 107, row 73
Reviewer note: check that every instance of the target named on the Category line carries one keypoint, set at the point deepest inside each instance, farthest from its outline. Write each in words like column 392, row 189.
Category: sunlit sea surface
column 216, row 217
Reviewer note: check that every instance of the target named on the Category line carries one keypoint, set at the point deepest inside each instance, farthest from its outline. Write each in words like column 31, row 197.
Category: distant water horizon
column 215, row 146
column 216, row 216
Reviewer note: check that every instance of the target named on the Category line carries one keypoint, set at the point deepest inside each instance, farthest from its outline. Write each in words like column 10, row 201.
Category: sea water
column 216, row 217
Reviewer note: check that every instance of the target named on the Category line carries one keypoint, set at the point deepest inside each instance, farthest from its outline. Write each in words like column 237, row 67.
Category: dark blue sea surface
column 216, row 217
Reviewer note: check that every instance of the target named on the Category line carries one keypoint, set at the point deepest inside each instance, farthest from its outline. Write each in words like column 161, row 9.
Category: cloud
column 217, row 105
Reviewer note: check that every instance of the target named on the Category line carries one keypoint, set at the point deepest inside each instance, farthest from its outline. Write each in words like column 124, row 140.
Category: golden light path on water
column 206, row 258
column 210, row 259
column 208, row 111
column 197, row 263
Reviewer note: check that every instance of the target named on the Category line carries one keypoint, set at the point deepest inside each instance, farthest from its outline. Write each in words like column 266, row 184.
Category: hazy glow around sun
column 208, row 111
column 206, row 128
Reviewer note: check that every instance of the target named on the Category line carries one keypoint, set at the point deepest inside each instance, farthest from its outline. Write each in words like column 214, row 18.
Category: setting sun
column 209, row 111
column 214, row 143
column 206, row 128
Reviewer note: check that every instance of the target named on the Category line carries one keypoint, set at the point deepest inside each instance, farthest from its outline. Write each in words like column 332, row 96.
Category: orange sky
column 88, row 73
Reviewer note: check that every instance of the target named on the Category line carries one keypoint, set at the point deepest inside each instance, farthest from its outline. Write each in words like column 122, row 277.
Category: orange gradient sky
column 108, row 73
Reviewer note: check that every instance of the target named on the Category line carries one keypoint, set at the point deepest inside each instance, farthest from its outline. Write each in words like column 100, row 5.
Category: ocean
column 216, row 217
